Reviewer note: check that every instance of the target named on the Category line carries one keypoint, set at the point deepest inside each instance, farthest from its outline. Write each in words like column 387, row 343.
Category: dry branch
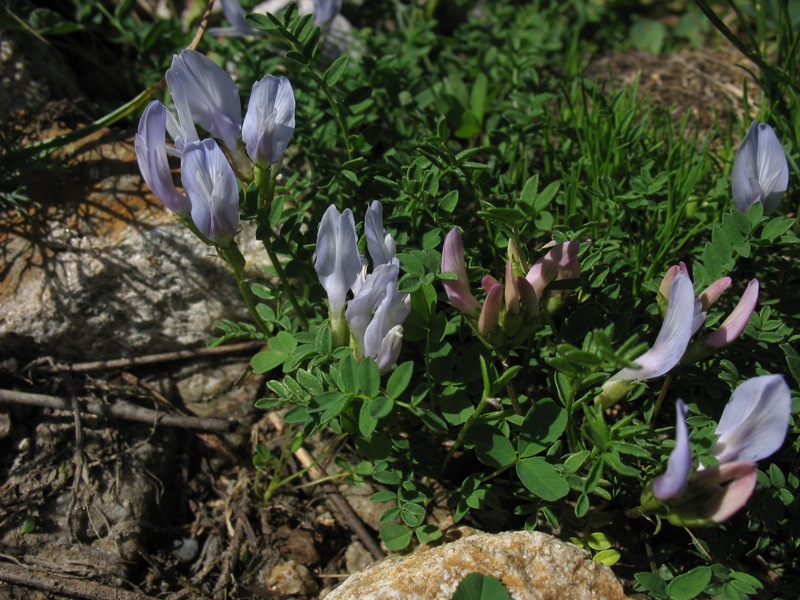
column 120, row 410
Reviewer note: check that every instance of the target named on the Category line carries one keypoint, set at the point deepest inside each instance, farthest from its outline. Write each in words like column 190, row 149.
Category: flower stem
column 233, row 256
column 463, row 433
column 265, row 180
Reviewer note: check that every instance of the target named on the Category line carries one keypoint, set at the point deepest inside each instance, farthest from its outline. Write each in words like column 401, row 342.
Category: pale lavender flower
column 269, row 122
column 338, row 262
column 235, row 14
column 683, row 317
column 752, row 427
column 380, row 244
column 151, row 154
column 376, row 314
column 673, row 482
column 325, row 11
column 754, row 422
column 196, row 81
column 760, row 170
column 210, row 184
column 457, row 290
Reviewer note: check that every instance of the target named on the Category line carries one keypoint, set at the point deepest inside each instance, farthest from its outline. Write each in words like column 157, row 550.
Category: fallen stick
column 150, row 359
column 120, row 410
column 339, row 502
column 63, row 586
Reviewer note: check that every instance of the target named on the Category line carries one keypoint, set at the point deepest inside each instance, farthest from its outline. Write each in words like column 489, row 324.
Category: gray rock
column 106, row 271
column 532, row 565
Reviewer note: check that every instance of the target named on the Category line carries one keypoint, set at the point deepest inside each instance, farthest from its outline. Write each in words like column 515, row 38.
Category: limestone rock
column 104, row 270
column 532, row 565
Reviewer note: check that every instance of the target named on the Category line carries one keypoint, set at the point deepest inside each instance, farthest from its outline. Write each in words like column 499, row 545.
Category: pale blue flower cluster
column 372, row 320
column 204, row 94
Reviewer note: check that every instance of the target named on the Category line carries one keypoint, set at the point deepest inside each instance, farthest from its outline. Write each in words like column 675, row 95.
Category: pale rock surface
column 105, row 271
column 532, row 565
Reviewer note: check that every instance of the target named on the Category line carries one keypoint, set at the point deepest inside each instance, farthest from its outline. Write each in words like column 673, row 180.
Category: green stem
column 463, row 433
column 660, row 400
column 233, row 256
column 265, row 180
column 337, row 113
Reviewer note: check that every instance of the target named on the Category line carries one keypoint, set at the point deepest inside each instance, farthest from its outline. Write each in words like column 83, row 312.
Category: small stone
column 530, row 564
column 300, row 547
column 357, row 558
column 291, row 579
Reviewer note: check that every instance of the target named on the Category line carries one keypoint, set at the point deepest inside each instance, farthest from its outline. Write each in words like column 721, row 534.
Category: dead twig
column 339, row 503
column 63, row 586
column 121, row 410
column 209, row 439
column 151, row 359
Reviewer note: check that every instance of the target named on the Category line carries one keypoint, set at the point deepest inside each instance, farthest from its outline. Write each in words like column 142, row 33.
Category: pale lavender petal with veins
column 673, row 482
column 755, row 420
column 381, row 245
column 151, row 154
column 760, row 170
column 210, row 93
column 680, row 321
column 210, row 183
column 270, row 119
column 338, row 262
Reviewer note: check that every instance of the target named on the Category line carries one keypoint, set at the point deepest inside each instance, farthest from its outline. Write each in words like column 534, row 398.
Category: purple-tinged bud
column 151, row 154
column 712, row 293
column 760, row 170
column 269, row 122
column 560, row 262
column 728, row 500
column 489, row 319
column 210, row 183
column 457, row 290
column 511, row 290
column 734, row 325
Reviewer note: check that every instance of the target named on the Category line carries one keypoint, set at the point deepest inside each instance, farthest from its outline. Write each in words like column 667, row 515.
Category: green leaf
column 652, row 583
column 543, row 425
column 399, row 379
column 491, row 446
column 336, row 70
column 776, row 227
column 608, row 557
column 477, row 586
column 348, row 378
column 369, row 377
column 396, row 537
column 367, row 422
column 283, row 342
column 541, row 478
column 689, row 585
column 449, row 202
column 266, row 360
